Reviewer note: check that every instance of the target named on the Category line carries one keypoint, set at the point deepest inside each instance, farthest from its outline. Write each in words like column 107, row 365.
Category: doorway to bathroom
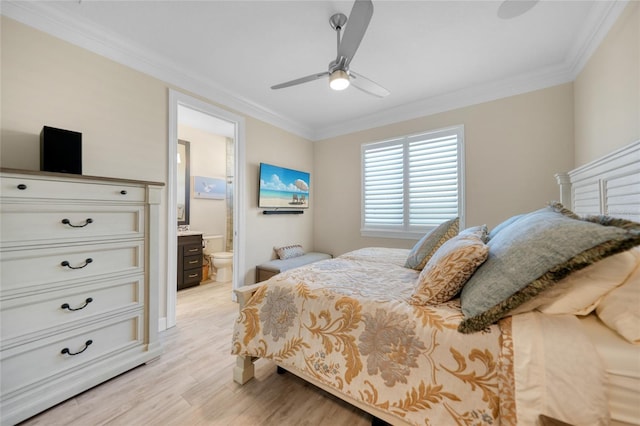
column 216, row 154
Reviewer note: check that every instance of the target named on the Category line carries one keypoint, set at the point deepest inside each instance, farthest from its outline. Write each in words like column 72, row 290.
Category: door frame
column 175, row 99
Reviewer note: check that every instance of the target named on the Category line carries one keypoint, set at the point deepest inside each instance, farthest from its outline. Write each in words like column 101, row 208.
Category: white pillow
column 620, row 309
column 580, row 292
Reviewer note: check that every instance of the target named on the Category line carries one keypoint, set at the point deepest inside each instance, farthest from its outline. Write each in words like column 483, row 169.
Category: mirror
column 184, row 182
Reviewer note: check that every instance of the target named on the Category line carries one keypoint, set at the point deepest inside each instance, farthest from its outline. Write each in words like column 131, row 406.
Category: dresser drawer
column 43, row 359
column 24, row 224
column 25, row 271
column 51, row 188
column 32, row 316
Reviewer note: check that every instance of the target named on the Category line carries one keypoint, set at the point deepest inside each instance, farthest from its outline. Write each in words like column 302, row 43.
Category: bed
column 427, row 337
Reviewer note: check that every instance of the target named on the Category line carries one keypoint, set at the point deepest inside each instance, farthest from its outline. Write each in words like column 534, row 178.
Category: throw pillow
column 448, row 269
column 480, row 231
column 427, row 246
column 532, row 254
column 287, row 252
column 499, row 227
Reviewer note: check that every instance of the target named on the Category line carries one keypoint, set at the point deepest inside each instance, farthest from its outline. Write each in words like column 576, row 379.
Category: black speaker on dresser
column 60, row 150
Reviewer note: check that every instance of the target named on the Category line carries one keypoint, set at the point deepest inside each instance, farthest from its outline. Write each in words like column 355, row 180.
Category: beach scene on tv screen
column 281, row 187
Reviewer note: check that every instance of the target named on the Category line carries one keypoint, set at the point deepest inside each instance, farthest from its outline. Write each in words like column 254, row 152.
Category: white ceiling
column 431, row 55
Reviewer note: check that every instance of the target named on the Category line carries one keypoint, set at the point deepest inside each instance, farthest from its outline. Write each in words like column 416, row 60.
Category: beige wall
column 275, row 146
column 513, row 145
column 123, row 117
column 122, row 114
column 607, row 91
column 208, row 154
column 513, row 148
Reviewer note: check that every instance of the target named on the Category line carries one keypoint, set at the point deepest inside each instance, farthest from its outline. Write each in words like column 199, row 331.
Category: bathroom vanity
column 189, row 259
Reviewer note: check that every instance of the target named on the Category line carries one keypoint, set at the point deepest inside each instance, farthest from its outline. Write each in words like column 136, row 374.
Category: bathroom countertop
column 185, row 233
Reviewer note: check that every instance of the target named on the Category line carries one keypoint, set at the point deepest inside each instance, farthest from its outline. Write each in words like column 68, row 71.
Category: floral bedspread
column 348, row 323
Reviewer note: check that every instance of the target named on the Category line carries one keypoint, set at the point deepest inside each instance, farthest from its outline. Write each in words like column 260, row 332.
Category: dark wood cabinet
column 189, row 260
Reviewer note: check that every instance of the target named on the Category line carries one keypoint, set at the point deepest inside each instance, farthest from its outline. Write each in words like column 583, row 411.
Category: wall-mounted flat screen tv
column 283, row 188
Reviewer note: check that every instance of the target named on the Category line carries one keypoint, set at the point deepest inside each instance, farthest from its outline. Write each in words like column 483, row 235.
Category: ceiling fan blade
column 368, row 86
column 511, row 8
column 357, row 24
column 301, row 80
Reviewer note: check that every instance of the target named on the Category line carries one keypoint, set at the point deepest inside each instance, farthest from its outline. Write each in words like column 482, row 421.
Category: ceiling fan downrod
column 338, row 76
column 338, row 22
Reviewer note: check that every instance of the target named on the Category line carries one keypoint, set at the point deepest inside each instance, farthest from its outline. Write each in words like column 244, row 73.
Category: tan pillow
column 620, row 309
column 580, row 292
column 449, row 269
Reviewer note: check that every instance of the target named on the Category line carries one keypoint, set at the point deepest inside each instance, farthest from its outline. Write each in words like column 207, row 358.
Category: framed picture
column 208, row 187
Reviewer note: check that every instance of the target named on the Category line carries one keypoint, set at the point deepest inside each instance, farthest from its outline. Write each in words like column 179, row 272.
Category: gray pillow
column 503, row 225
column 534, row 252
column 427, row 246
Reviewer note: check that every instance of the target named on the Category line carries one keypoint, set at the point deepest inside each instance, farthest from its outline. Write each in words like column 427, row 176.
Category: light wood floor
column 191, row 383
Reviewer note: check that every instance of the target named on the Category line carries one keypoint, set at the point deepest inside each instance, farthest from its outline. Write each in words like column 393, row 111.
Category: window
column 413, row 183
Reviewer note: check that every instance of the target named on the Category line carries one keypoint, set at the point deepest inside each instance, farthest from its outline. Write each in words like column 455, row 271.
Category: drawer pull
column 68, row 352
column 123, row 192
column 22, row 187
column 193, row 262
column 193, row 275
column 194, row 250
column 68, row 265
column 86, row 222
column 86, row 303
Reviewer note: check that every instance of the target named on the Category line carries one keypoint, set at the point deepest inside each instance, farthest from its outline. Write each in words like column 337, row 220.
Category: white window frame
column 407, row 231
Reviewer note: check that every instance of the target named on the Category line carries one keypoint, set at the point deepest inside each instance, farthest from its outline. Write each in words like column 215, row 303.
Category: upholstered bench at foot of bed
column 266, row 270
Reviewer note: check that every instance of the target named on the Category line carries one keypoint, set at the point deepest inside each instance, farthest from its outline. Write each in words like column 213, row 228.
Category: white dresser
column 78, row 285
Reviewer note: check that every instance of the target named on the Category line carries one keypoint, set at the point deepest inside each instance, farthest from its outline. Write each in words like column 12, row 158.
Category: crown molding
column 603, row 16
column 45, row 17
column 48, row 19
column 452, row 100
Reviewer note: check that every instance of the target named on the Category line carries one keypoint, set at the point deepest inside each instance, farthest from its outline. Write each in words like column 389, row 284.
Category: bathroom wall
column 208, row 158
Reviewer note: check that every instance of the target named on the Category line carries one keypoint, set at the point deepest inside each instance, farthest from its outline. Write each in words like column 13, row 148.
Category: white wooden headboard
column 607, row 186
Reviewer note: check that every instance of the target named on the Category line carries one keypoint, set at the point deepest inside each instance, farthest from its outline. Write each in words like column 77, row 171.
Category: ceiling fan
column 340, row 76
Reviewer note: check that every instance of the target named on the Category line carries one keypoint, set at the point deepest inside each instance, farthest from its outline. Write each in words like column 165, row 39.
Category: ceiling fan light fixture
column 339, row 80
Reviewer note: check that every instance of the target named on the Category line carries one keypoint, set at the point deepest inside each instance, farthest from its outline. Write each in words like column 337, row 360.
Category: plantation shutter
column 383, row 185
column 433, row 180
column 412, row 184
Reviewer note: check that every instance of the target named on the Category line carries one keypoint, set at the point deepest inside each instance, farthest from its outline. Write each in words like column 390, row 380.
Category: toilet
column 221, row 260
